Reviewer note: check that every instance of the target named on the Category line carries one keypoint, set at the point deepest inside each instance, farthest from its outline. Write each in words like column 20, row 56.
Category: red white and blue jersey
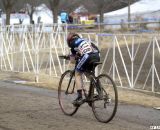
column 82, row 47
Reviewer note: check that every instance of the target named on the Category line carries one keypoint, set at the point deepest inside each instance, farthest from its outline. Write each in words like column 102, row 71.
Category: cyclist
column 64, row 17
column 88, row 53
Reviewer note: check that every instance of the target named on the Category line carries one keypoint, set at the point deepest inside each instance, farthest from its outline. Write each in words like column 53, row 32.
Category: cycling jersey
column 82, row 47
column 89, row 53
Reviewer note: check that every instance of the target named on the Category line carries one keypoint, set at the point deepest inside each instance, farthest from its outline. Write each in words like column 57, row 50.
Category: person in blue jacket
column 88, row 53
column 64, row 17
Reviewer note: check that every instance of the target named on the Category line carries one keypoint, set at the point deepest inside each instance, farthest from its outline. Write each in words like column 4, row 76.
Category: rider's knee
column 77, row 73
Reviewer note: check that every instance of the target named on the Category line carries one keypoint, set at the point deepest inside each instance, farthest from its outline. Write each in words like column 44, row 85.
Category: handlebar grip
column 64, row 57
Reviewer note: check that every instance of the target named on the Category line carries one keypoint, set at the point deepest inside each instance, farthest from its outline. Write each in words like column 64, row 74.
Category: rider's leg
column 79, row 83
column 78, row 76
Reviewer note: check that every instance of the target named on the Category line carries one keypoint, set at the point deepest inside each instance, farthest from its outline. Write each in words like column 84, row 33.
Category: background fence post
column 114, row 53
column 132, row 63
column 153, row 64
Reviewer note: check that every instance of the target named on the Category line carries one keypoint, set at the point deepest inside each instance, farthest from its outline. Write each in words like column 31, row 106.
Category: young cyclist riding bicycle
column 88, row 53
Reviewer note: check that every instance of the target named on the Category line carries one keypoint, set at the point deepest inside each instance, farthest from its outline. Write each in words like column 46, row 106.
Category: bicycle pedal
column 78, row 102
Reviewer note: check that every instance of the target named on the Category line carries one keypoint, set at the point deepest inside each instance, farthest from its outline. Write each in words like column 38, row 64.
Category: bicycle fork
column 67, row 90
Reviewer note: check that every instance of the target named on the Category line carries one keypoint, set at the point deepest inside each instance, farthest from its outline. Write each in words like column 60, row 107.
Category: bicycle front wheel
column 66, row 93
column 104, row 105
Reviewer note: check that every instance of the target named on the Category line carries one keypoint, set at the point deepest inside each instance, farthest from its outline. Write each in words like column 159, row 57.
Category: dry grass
column 122, row 39
column 139, row 98
column 125, row 95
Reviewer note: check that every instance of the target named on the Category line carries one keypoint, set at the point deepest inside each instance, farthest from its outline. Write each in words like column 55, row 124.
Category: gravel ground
column 29, row 108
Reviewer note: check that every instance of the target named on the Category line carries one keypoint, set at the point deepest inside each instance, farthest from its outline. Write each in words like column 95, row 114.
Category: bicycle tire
column 65, row 98
column 105, row 108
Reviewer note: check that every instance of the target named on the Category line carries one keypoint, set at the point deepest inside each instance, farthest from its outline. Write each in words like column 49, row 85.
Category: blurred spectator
column 64, row 17
column 70, row 19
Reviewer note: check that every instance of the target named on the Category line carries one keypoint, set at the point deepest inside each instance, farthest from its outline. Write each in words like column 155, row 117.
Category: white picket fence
column 132, row 60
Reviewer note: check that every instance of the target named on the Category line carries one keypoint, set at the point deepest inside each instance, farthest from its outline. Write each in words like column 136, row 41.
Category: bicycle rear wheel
column 104, row 105
column 66, row 93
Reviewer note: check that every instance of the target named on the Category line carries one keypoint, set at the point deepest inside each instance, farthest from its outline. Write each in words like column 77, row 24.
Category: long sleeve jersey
column 82, row 46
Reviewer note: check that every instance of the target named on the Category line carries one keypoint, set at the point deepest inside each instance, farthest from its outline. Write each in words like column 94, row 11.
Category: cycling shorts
column 85, row 63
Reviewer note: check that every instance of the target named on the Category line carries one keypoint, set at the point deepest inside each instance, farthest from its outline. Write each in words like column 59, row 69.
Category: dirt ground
column 31, row 108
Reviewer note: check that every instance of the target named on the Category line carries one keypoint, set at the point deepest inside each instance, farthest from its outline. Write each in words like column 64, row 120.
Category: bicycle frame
column 92, row 77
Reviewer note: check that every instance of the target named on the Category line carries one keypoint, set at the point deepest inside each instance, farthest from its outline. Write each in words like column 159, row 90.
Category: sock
column 79, row 92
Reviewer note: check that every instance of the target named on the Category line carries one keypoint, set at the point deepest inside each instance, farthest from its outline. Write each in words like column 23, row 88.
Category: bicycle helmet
column 71, row 37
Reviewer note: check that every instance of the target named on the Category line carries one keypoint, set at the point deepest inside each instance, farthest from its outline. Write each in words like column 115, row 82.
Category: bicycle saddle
column 97, row 63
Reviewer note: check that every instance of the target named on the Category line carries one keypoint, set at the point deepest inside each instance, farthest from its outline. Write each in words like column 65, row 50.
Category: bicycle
column 103, row 101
